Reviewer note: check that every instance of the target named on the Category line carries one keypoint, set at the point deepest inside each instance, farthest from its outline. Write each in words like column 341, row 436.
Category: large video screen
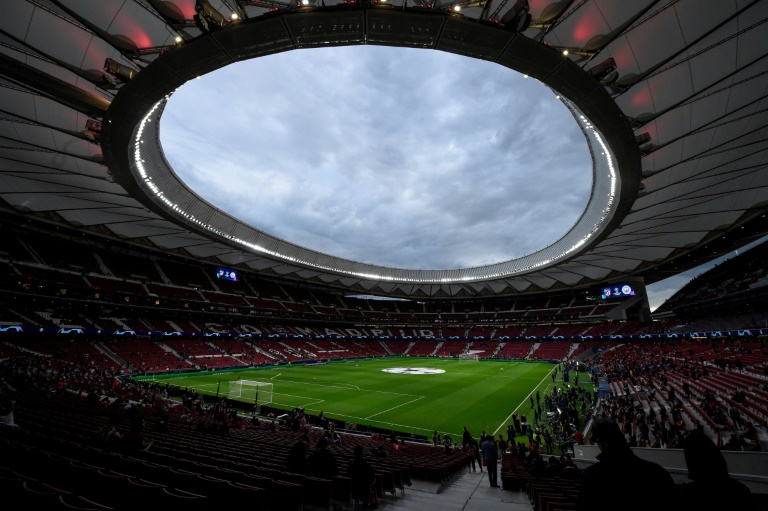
column 617, row 291
column 226, row 273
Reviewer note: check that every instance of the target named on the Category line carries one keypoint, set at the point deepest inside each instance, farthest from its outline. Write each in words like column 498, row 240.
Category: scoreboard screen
column 226, row 274
column 617, row 291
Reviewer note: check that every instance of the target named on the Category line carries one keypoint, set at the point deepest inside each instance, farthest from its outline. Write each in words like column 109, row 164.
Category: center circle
column 413, row 370
column 400, row 157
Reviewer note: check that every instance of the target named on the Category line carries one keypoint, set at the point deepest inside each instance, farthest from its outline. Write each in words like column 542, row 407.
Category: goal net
column 258, row 392
column 468, row 357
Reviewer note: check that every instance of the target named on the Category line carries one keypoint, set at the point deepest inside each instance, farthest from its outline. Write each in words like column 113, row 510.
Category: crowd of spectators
column 665, row 377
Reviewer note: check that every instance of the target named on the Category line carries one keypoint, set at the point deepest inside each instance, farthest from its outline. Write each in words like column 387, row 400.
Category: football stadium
column 546, row 293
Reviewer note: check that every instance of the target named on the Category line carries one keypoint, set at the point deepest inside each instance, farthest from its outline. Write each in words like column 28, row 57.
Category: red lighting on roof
column 187, row 7
column 586, row 28
column 641, row 98
column 538, row 5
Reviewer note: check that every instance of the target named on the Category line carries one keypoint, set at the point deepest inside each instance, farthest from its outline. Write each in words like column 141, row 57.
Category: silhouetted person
column 621, row 479
column 491, row 456
column 473, row 452
column 363, row 478
column 135, row 439
column 322, row 462
column 711, row 488
column 296, row 460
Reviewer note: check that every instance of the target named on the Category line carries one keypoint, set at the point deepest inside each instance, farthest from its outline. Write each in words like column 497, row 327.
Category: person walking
column 473, row 455
column 491, row 457
column 465, row 438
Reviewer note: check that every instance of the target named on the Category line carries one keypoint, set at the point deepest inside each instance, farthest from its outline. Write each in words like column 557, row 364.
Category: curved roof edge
column 607, row 131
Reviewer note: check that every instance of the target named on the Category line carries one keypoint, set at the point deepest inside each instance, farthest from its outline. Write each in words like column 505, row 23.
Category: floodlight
column 643, row 138
column 605, row 72
column 208, row 18
column 517, row 19
column 92, row 130
column 644, row 143
column 93, row 125
column 119, row 71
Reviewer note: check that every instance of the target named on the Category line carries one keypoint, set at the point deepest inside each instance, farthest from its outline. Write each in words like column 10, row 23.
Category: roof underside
column 691, row 73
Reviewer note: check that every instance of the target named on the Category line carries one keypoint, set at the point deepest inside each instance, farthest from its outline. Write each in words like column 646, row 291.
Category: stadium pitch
column 407, row 394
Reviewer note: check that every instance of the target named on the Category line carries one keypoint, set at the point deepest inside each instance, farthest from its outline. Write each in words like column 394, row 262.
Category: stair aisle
column 469, row 491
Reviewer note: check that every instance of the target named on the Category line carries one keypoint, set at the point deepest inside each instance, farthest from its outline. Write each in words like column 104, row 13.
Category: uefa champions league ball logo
column 413, row 370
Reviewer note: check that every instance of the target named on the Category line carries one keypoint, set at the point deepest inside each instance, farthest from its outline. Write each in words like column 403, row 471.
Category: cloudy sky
column 393, row 156
column 664, row 289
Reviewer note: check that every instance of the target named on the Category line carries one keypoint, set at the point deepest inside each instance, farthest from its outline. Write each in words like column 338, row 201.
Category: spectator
column 134, row 439
column 491, row 456
column 465, row 436
column 6, row 413
column 379, row 451
column 735, row 443
column 751, row 435
column 363, row 479
column 553, row 468
column 570, row 469
column 473, row 447
column 711, row 487
column 622, row 480
column 502, row 444
column 470, row 451
column 447, row 444
column 296, row 461
column 548, row 441
column 322, row 462
column 109, row 435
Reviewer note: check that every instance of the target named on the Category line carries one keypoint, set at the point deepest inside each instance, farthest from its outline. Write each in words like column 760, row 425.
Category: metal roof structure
column 671, row 96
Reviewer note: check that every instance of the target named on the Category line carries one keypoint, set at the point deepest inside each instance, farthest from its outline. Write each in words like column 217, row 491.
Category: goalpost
column 469, row 357
column 257, row 392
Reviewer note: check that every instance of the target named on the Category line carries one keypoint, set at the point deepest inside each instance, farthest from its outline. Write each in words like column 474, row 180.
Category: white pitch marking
column 398, row 406
column 523, row 402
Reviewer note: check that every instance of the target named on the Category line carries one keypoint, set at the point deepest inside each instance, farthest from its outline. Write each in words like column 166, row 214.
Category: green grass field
column 480, row 395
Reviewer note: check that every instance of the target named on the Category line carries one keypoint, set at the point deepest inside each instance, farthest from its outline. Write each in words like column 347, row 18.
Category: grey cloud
column 398, row 157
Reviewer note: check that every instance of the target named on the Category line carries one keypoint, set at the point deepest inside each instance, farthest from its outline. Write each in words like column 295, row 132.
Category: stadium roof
column 670, row 95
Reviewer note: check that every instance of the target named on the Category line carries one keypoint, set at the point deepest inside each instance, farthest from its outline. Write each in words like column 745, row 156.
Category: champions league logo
column 413, row 370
